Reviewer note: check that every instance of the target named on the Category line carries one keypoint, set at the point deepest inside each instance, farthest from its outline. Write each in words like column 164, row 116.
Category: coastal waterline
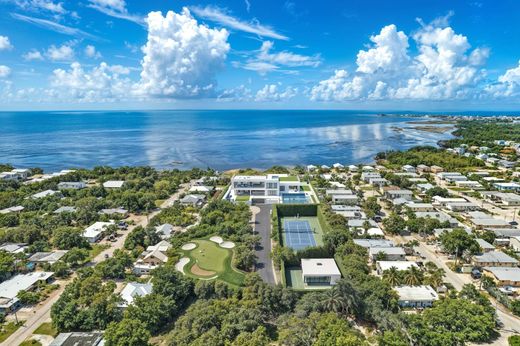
column 217, row 139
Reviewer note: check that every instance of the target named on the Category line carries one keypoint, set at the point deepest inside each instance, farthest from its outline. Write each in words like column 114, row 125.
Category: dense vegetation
column 483, row 133
column 429, row 156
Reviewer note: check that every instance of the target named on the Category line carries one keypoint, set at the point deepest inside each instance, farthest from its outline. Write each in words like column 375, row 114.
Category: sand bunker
column 201, row 272
column 227, row 244
column 182, row 262
column 216, row 239
column 189, row 246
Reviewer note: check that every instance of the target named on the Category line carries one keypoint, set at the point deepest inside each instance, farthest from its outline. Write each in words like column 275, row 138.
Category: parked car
column 476, row 274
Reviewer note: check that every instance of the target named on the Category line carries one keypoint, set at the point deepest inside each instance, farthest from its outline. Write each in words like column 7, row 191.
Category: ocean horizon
column 220, row 139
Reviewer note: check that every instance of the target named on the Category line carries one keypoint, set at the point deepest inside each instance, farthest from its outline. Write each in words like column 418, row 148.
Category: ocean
column 217, row 139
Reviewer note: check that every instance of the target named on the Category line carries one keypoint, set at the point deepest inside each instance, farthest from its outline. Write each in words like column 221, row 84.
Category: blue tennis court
column 298, row 234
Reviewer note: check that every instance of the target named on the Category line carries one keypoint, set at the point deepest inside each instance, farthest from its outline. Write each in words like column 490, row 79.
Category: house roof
column 399, row 265
column 78, row 338
column 113, row 184
column 134, row 289
column 484, row 244
column 495, row 257
column 13, row 247
column 50, row 257
column 416, row 293
column 65, row 210
column 319, row 266
column 386, row 250
column 372, row 243
column 95, row 229
column 11, row 287
column 44, row 194
column 505, row 273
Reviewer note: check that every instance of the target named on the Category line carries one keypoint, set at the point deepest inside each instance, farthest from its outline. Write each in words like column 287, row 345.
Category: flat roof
column 399, row 265
column 11, row 287
column 113, row 183
column 496, row 257
column 387, row 250
column 319, row 266
column 416, row 293
column 368, row 243
column 489, row 222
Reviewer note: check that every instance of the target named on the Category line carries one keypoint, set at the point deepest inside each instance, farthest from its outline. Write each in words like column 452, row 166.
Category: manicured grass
column 306, row 188
column 31, row 343
column 46, row 328
column 242, row 198
column 289, row 178
column 8, row 329
column 211, row 257
column 97, row 249
column 293, row 278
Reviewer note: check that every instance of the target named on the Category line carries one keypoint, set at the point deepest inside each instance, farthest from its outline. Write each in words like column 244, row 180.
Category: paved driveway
column 262, row 227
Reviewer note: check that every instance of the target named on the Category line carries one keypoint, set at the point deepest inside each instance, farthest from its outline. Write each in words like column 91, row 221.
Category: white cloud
column 116, row 9
column 53, row 26
column 101, row 83
column 36, row 5
column 91, row 52
column 508, row 84
column 272, row 93
column 237, row 94
column 5, row 44
column 181, row 57
column 266, row 61
column 33, row 55
column 444, row 68
column 63, row 53
column 248, row 5
column 4, row 71
column 217, row 15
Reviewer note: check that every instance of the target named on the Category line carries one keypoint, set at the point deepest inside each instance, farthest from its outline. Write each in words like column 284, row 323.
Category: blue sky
column 381, row 55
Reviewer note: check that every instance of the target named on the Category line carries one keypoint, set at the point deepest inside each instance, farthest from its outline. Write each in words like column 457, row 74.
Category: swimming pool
column 295, row 198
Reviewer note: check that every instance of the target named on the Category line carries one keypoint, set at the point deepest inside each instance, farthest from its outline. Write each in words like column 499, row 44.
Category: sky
column 428, row 55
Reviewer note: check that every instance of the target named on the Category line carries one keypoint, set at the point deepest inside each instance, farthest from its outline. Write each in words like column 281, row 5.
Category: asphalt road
column 262, row 227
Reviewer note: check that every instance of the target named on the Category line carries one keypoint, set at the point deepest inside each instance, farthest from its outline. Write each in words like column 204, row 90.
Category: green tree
column 153, row 310
column 128, row 332
column 458, row 241
column 413, row 276
column 65, row 238
column 394, row 224
column 258, row 337
column 76, row 256
column 392, row 276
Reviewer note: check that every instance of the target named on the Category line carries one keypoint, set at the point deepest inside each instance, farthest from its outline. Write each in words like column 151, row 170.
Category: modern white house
column 507, row 186
column 15, row 174
column 93, row 232
column 416, row 296
column 319, row 272
column 269, row 189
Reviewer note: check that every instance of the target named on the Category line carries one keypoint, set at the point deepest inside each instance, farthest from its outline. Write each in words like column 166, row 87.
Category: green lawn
column 242, row 198
column 293, row 278
column 8, row 329
column 289, row 178
column 209, row 256
column 46, row 328
column 306, row 188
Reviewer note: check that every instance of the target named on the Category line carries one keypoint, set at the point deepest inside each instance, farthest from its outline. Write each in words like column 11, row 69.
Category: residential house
column 338, row 166
column 193, row 200
column 439, row 215
column 415, row 206
column 507, row 186
column 424, row 187
column 423, row 169
column 507, row 199
column 79, row 339
column 15, row 209
column 202, row 189
column 319, row 272
column 133, row 290
column 113, row 184
column 75, row 185
column 121, row 212
column 469, row 184
column 311, row 168
column 94, row 232
column 65, row 209
column 10, row 288
column 14, row 248
column 353, row 168
column 381, row 266
column 494, row 259
column 373, row 243
column 504, row 276
column 462, row 206
column 387, row 253
column 484, row 245
column 165, row 230
column 400, row 193
column 481, row 223
column 153, row 257
column 436, row 169
column 44, row 194
column 416, row 296
column 408, row 168
column 47, row 257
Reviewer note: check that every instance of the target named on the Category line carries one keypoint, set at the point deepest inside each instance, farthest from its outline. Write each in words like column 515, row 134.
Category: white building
column 319, row 272
column 401, row 193
column 133, row 290
column 113, row 184
column 93, row 232
column 414, row 206
column 469, row 184
column 22, row 282
column 76, row 185
column 416, row 296
column 387, row 253
column 507, row 186
column 381, row 266
column 373, row 243
column 408, row 168
column 268, row 189
column 44, row 194
column 462, row 206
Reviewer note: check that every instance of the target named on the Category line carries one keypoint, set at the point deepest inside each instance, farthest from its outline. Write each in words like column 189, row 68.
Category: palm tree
column 392, row 276
column 436, row 278
column 333, row 301
column 349, row 296
column 413, row 276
